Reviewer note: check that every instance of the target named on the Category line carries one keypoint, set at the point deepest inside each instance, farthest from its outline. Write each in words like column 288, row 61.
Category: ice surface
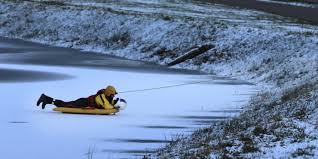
column 29, row 132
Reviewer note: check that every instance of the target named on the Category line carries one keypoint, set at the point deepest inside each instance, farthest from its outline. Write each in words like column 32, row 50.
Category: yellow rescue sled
column 87, row 110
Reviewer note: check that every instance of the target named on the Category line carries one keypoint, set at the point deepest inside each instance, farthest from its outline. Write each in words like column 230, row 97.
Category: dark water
column 16, row 75
column 14, row 51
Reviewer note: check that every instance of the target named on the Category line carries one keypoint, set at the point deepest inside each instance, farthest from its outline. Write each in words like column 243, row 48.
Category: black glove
column 116, row 100
column 117, row 108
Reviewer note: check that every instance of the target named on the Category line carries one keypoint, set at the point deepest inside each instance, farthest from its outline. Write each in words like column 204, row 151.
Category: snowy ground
column 151, row 119
column 272, row 51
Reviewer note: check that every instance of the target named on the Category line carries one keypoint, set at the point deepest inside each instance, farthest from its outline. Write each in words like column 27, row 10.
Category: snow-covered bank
column 255, row 46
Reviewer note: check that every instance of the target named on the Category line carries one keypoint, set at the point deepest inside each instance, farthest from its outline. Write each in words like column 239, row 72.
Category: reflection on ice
column 138, row 140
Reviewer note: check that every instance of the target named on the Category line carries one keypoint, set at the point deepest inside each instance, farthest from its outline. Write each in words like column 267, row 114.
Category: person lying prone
column 103, row 99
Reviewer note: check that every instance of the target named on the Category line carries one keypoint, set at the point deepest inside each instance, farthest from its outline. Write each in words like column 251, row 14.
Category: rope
column 164, row 87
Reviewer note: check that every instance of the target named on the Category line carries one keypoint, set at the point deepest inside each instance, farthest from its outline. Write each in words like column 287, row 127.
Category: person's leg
column 60, row 103
column 79, row 103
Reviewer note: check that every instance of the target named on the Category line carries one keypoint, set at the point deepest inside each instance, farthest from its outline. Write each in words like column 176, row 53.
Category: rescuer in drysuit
column 103, row 99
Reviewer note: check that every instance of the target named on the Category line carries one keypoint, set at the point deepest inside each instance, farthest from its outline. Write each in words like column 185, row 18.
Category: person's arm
column 102, row 101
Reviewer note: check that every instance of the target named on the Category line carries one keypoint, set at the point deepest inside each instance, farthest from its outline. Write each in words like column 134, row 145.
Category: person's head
column 110, row 91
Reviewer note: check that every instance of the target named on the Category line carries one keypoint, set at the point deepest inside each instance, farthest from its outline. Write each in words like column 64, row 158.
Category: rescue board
column 85, row 110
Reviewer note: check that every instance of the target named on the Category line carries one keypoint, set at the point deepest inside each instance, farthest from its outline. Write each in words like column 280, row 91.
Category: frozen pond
column 151, row 119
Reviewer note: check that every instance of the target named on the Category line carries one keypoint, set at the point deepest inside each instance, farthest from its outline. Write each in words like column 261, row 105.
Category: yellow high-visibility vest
column 103, row 102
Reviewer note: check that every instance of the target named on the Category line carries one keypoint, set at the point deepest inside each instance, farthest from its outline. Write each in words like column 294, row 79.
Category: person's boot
column 44, row 100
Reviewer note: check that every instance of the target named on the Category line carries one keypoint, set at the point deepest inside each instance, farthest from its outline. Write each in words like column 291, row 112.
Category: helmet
column 110, row 90
column 121, row 104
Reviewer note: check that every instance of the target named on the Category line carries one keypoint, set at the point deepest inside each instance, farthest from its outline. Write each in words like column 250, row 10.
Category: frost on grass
column 279, row 55
column 285, row 127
